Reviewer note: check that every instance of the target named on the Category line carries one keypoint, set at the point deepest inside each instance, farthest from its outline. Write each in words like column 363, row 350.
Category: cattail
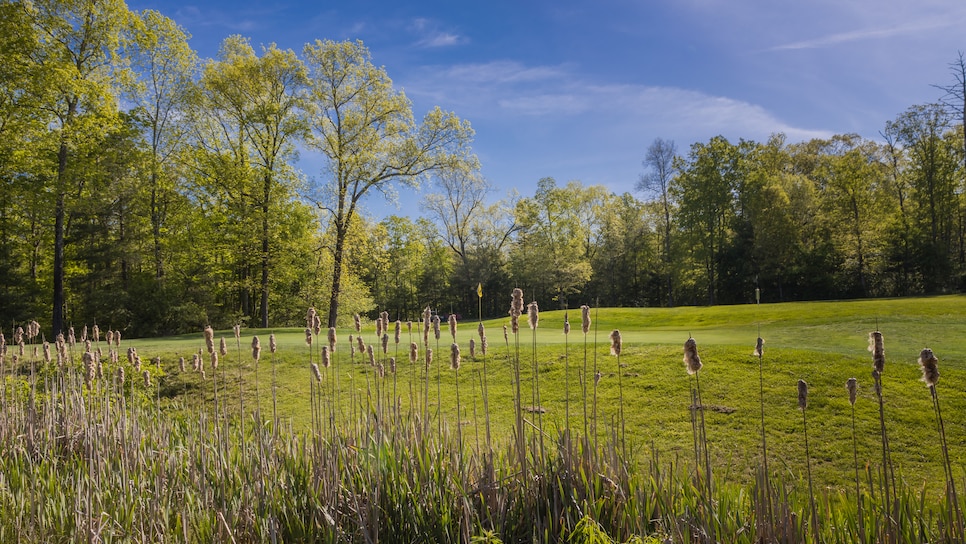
column 203, row 375
column 566, row 324
column 316, row 373
column 385, row 343
column 131, row 353
column 256, row 348
column 18, row 335
column 481, row 330
column 317, row 325
column 516, row 309
column 585, row 319
column 853, row 386
column 157, row 362
column 180, row 364
column 392, row 365
column 380, row 370
column 427, row 315
column 483, row 346
column 326, row 357
column 214, row 360
column 533, row 315
column 429, row 357
column 237, row 329
column 361, row 344
column 454, row 356
column 195, row 362
column 452, row 325
column 46, row 352
column 88, row 359
column 71, row 339
column 96, row 333
column 109, row 336
column 223, row 346
column 100, row 369
column 597, row 376
column 802, row 394
column 506, row 338
column 413, row 352
column 436, row 326
column 409, row 327
column 759, row 347
column 878, row 352
column 87, row 345
column 20, row 348
column 117, row 337
column 615, row 342
column 472, row 348
column 398, row 331
column 691, row 358
column 120, row 376
column 147, row 378
column 371, row 354
column 272, row 345
column 310, row 317
column 930, row 370
column 33, row 329
column 308, row 336
column 137, row 363
column 332, row 339
column 84, row 333
column 209, row 339
column 114, row 356
column 379, row 326
column 357, row 321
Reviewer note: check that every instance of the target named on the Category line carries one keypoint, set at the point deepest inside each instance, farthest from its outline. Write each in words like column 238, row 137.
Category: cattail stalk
column 876, row 346
column 852, row 386
column 803, row 404
column 615, row 350
column 928, row 363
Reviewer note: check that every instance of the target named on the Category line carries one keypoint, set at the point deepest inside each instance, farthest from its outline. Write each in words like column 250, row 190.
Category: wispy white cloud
column 195, row 16
column 430, row 34
column 870, row 33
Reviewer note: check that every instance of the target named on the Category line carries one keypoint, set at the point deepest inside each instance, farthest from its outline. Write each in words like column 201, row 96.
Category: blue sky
column 578, row 90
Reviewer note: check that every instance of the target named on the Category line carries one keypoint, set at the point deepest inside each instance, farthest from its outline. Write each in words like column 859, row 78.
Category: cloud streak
column 868, row 34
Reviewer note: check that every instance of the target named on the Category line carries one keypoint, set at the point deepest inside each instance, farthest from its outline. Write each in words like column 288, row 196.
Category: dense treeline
column 151, row 191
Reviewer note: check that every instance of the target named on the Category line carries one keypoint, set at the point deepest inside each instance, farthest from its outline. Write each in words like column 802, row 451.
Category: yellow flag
column 479, row 290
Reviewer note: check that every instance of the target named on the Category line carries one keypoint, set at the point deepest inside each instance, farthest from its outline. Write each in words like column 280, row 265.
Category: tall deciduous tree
column 78, row 40
column 659, row 162
column 366, row 131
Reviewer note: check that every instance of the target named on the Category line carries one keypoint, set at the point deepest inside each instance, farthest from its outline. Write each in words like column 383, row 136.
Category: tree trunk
column 265, row 245
column 340, row 234
column 156, row 225
column 57, row 317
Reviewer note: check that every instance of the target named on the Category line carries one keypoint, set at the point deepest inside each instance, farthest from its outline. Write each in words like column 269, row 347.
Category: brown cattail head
column 180, row 364
column 452, row 325
column 454, row 356
column 371, row 354
column 214, row 360
column 326, row 357
column 256, row 348
column 379, row 326
column 481, row 330
column 120, row 375
column 83, row 333
column 96, row 333
column 33, row 329
column 385, row 343
column 413, row 352
column 585, row 319
column 272, row 344
column 156, row 362
column 209, row 338
column 333, row 339
column 117, row 337
column 18, row 335
column 317, row 325
column 110, row 337
column 429, row 357
column 533, row 315
column 566, row 324
column 310, row 317
column 505, row 337
column 131, row 354
column 472, row 348
column 853, row 386
column 237, row 329
column 47, row 352
column 147, row 378
column 878, row 352
column 357, row 322
column 195, row 362
column 615, row 342
column 71, row 339
column 308, row 336
column 362, row 345
column 759, row 348
column 483, row 345
column 392, row 365
column 436, row 326
column 316, row 373
column 409, row 327
column 516, row 302
column 223, row 346
column 398, row 332
column 802, row 394
column 691, row 358
column 930, row 369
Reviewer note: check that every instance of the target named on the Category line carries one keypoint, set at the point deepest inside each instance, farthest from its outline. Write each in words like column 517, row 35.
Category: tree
column 659, row 162
column 366, row 131
column 77, row 42
column 164, row 66
column 954, row 100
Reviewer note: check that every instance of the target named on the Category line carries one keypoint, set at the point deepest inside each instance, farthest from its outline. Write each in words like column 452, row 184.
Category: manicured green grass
column 822, row 342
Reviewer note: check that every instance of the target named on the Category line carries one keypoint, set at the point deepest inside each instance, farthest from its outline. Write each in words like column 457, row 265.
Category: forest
column 155, row 192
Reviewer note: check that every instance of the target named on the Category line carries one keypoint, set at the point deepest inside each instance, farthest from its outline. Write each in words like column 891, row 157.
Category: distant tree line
column 153, row 192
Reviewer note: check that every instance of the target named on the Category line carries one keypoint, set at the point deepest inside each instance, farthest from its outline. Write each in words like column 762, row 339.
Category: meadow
column 548, row 436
